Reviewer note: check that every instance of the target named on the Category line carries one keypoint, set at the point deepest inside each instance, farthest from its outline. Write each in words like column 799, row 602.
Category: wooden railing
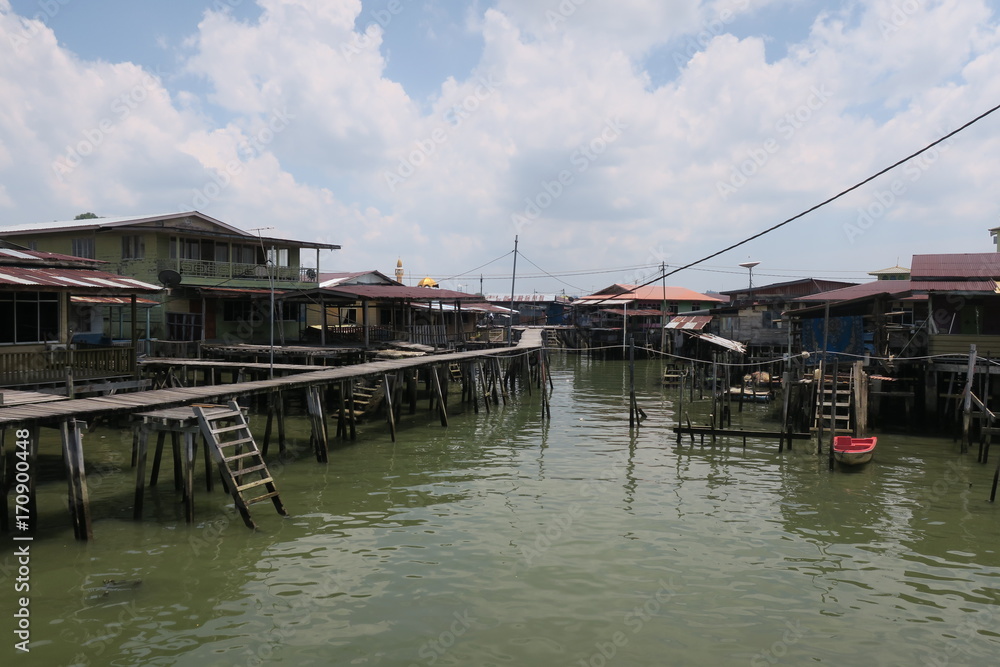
column 37, row 367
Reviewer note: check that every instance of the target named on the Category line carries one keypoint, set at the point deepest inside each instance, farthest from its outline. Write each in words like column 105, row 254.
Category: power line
column 819, row 205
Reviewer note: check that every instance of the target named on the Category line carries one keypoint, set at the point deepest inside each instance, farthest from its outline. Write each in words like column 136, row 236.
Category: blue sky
column 610, row 136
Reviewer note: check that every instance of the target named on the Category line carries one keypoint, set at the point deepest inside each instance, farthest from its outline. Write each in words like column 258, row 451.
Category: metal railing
column 233, row 270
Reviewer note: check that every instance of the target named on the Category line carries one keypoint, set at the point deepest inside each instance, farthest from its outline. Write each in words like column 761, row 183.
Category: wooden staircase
column 455, row 372
column 233, row 448
column 834, row 406
column 364, row 396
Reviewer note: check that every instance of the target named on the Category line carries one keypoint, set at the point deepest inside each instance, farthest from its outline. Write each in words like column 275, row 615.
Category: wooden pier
column 68, row 415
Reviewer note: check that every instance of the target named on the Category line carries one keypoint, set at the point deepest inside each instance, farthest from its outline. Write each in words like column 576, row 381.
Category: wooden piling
column 79, row 502
column 389, row 411
column 443, row 411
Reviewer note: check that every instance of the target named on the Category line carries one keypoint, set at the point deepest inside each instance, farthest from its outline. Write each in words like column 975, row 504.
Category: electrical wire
column 816, row 206
column 547, row 273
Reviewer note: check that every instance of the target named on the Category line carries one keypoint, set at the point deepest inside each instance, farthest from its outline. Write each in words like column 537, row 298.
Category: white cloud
column 302, row 129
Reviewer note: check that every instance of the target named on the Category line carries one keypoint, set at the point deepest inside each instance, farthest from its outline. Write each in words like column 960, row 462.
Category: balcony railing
column 229, row 270
column 43, row 366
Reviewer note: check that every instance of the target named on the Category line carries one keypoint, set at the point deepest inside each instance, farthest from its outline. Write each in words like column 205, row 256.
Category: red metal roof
column 689, row 322
column 891, row 287
column 959, row 265
column 989, row 286
column 76, row 280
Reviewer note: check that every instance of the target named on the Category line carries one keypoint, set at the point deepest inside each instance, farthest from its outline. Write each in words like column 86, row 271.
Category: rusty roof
column 890, row 287
column 74, row 280
column 113, row 300
column 689, row 322
column 986, row 285
column 958, row 265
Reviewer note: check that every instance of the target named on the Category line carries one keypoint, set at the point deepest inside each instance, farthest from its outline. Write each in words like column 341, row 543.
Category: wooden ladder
column 456, row 372
column 228, row 437
column 835, row 410
column 363, row 396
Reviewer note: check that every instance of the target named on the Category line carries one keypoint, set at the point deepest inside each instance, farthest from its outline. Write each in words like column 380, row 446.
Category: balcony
column 198, row 268
column 48, row 366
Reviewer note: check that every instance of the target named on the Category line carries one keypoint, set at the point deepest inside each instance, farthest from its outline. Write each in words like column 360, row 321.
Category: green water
column 502, row 540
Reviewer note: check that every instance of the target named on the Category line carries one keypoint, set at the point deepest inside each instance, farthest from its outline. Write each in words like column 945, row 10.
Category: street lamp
column 749, row 266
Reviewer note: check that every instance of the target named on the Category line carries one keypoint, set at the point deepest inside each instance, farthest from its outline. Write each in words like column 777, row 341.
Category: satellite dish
column 169, row 278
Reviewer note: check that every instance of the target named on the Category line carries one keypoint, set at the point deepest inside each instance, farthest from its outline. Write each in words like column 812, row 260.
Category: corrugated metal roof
column 21, row 256
column 689, row 322
column 101, row 223
column 619, row 292
column 891, row 287
column 528, row 298
column 959, row 265
column 72, row 279
column 113, row 300
column 989, row 286
column 401, row 292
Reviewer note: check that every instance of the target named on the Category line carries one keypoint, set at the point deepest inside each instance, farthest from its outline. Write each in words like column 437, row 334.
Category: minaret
column 399, row 271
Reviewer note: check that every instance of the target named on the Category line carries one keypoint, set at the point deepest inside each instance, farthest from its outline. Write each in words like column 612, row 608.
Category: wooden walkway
column 68, row 414
column 50, row 414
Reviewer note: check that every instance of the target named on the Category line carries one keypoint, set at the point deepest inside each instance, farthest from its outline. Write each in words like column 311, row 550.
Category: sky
column 610, row 137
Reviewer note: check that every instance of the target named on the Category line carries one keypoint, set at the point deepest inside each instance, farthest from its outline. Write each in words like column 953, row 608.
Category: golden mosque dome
column 427, row 282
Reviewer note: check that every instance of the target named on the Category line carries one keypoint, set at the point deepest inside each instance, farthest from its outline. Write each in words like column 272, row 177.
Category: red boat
column 853, row 451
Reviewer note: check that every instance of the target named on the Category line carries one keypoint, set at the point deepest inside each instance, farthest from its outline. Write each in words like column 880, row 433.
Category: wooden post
column 352, row 419
column 631, row 383
column 390, row 412
column 967, row 398
column 833, row 409
column 341, row 412
column 786, row 386
column 79, row 502
column 317, row 416
column 189, row 460
column 280, row 416
column 411, row 390
column 440, row 398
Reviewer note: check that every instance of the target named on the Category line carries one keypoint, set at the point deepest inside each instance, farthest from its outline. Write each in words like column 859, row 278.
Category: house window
column 83, row 247
column 133, row 247
column 277, row 257
column 29, row 317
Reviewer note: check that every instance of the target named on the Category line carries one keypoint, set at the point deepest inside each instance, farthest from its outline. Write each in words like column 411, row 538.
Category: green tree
column 86, row 216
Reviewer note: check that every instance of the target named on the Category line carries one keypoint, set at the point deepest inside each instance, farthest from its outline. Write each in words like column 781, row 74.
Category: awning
column 113, row 301
column 76, row 280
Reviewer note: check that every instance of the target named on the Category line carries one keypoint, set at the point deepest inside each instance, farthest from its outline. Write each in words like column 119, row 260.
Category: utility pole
column 510, row 317
column 663, row 308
